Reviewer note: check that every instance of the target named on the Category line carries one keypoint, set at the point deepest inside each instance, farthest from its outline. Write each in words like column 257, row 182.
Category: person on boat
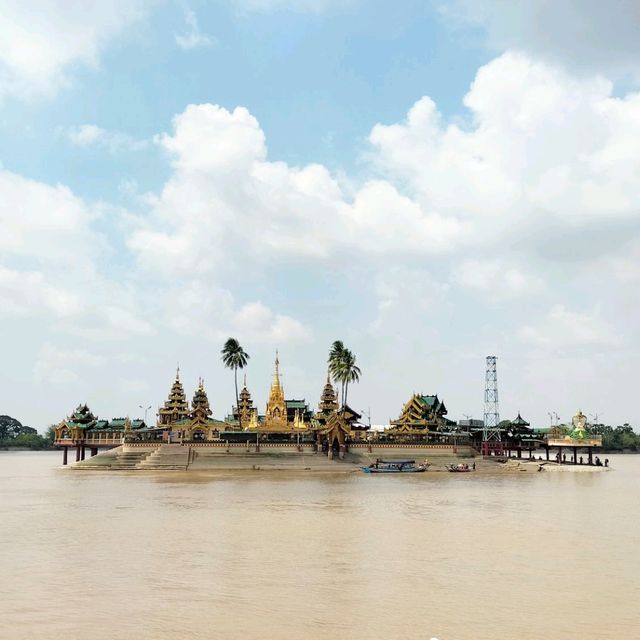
column 606, row 462
column 474, row 466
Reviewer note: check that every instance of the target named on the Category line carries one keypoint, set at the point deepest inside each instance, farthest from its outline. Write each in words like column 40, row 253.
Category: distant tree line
column 619, row 438
column 14, row 434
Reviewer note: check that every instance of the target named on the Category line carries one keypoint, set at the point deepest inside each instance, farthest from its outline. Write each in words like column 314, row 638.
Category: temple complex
column 332, row 429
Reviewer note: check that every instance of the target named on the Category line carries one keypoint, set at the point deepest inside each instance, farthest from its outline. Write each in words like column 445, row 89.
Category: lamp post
column 595, row 417
column 145, row 409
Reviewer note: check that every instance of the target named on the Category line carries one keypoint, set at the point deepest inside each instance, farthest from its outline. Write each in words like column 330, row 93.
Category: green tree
column 50, row 434
column 29, row 440
column 234, row 357
column 9, row 427
column 336, row 364
column 350, row 372
column 343, row 368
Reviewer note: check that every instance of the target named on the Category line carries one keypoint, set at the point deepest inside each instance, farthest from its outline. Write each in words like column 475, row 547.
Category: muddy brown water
column 304, row 556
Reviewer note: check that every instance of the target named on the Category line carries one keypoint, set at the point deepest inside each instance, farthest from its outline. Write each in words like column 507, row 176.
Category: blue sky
column 431, row 182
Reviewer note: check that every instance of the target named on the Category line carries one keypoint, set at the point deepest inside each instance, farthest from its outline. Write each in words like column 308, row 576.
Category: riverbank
column 537, row 466
column 26, row 448
column 177, row 457
column 266, row 457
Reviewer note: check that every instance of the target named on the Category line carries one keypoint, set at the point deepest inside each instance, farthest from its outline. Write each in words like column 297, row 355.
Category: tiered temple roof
column 176, row 407
column 328, row 400
column 422, row 414
column 200, row 408
column 245, row 410
column 81, row 418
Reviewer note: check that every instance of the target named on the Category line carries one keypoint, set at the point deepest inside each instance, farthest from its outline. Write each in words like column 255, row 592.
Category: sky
column 430, row 182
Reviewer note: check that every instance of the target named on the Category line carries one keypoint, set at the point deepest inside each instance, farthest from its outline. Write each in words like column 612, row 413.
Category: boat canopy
column 395, row 461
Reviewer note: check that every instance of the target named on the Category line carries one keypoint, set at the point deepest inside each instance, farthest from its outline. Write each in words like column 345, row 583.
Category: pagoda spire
column 276, row 375
column 276, row 406
column 245, row 410
column 328, row 399
column 201, row 409
column 176, row 406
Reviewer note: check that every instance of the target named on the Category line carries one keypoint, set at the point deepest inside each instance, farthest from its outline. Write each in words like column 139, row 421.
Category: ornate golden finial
column 245, row 380
column 178, row 371
column 276, row 376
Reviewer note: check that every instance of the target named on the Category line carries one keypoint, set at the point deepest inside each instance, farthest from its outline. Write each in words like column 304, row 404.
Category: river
column 126, row 556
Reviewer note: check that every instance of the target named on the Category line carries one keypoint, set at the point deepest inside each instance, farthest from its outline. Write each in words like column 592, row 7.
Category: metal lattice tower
column 491, row 410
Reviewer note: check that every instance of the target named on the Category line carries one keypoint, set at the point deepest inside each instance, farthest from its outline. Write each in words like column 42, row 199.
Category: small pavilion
column 577, row 439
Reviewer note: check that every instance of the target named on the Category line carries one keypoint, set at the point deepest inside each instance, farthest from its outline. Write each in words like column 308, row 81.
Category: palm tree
column 336, row 364
column 343, row 368
column 234, row 357
column 350, row 372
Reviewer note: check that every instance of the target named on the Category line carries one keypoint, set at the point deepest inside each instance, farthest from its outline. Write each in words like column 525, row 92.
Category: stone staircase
column 114, row 459
column 129, row 460
column 167, row 457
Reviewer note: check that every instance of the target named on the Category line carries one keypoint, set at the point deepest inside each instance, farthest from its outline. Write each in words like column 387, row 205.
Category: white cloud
column 495, row 277
column 40, row 41
column 45, row 223
column 525, row 148
column 193, row 37
column 225, row 195
column 64, row 366
column 563, row 329
column 409, row 301
column 197, row 308
column 584, row 34
column 87, row 135
column 27, row 293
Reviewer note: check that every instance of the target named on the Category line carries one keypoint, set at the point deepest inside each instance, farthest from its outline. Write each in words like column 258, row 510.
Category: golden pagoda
column 275, row 418
column 176, row 407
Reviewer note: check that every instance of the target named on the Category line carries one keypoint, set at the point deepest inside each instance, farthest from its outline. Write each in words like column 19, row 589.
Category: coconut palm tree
column 234, row 357
column 335, row 360
column 350, row 372
column 343, row 368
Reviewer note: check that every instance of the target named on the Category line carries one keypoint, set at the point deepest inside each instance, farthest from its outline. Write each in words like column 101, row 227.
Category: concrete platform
column 290, row 457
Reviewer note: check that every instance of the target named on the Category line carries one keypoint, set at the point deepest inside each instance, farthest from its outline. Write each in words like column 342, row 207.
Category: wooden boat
column 463, row 467
column 395, row 466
